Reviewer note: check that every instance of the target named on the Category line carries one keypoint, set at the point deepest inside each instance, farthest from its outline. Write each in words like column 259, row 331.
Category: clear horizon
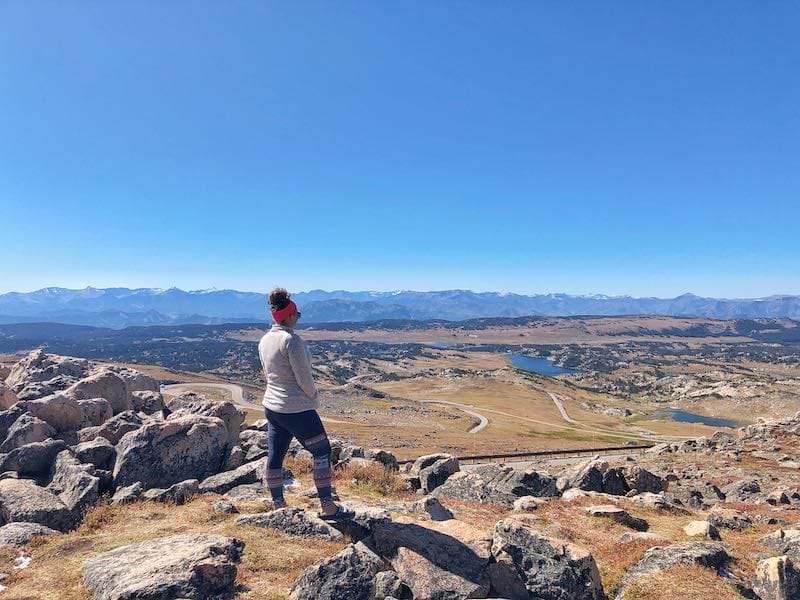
column 619, row 149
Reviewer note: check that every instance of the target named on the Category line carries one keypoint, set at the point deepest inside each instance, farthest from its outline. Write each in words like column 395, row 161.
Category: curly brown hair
column 279, row 299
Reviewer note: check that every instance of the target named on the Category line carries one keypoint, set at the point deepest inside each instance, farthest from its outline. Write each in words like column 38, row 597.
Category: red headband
column 284, row 313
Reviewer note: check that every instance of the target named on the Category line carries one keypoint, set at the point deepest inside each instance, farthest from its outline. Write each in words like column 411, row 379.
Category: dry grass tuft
column 373, row 479
column 689, row 582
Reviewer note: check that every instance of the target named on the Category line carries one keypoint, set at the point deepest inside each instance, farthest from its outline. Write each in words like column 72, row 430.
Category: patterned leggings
column 307, row 428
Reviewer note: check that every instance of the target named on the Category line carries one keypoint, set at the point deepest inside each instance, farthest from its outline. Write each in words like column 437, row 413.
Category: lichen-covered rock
column 497, row 485
column 193, row 404
column 784, row 541
column 619, row 515
column 194, row 567
column 61, row 411
column 222, row 482
column 432, row 509
column 118, row 425
column 96, row 411
column 21, row 500
column 55, row 372
column 529, row 564
column 640, row 479
column 161, row 454
column 7, row 397
column 103, row 384
column 128, row 494
column 177, row 494
column 702, row 529
column 293, row 521
column 18, row 534
column 777, row 578
column 147, row 402
column 728, row 518
column 436, row 473
column 387, row 459
column 586, row 475
column 27, row 429
column 35, row 458
column 99, row 452
column 445, row 559
column 75, row 483
column 348, row 574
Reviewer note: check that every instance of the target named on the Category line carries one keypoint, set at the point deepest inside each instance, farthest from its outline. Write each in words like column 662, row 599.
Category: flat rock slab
column 249, row 492
column 293, row 521
column 446, row 559
column 19, row 534
column 222, row 482
column 348, row 574
column 183, row 566
column 21, row 500
column 621, row 516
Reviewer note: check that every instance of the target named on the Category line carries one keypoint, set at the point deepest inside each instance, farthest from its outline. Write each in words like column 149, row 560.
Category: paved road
column 483, row 421
column 560, row 408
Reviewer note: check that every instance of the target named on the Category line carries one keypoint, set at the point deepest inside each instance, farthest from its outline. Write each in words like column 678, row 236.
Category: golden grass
column 681, row 583
column 370, row 480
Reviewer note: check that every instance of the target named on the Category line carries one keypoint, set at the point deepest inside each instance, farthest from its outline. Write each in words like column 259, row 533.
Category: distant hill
column 123, row 307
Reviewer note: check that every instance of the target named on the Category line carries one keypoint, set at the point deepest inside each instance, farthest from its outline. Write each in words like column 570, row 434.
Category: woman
column 290, row 402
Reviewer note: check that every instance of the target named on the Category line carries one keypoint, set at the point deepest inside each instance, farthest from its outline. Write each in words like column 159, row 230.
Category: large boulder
column 529, row 564
column 61, row 411
column 7, row 397
column 118, row 425
column 26, row 430
column 177, row 494
column 448, row 559
column 777, row 578
column 53, row 371
column 783, row 541
column 618, row 515
column 136, row 381
column 182, row 566
column 103, row 384
column 21, row 500
column 586, row 475
column 192, row 404
column 18, row 534
column 348, row 574
column 96, row 411
column 147, row 402
column 32, row 459
column 640, row 479
column 75, row 483
column 293, row 521
column 98, row 452
column 163, row 453
column 497, row 485
column 9, row 417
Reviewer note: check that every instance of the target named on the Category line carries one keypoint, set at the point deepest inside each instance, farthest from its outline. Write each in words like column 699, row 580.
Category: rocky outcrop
column 530, row 565
column 75, row 483
column 164, row 453
column 182, row 566
column 192, row 404
column 349, row 574
column 40, row 374
column 96, row 411
column 99, row 452
column 640, row 479
column 784, row 541
column 116, row 427
column 147, row 402
column 430, row 471
column 128, row 494
column 22, row 500
column 32, row 459
column 222, row 482
column 293, row 521
column 618, row 515
column 176, row 494
column 18, row 534
column 728, row 518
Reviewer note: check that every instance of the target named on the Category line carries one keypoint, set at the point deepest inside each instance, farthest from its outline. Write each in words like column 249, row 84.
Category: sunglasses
column 299, row 314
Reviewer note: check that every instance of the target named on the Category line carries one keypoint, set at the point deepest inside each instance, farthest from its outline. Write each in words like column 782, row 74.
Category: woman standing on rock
column 290, row 402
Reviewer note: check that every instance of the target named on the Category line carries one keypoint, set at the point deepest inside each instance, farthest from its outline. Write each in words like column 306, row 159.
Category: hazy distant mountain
column 122, row 307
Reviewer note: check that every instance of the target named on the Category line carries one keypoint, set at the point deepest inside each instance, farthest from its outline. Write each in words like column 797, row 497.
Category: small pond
column 684, row 416
column 540, row 366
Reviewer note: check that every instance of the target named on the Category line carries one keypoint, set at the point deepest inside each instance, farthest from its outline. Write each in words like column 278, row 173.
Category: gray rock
column 586, row 475
column 137, row 382
column 529, row 564
column 222, row 482
column 147, row 402
column 128, row 494
column 99, row 452
column 250, row 492
column 23, row 500
column 642, row 480
column 702, row 529
column 225, row 507
column 711, row 556
column 38, row 367
column 387, row 459
column 194, row 567
column 9, row 417
column 497, row 485
column 234, row 458
column 619, row 515
column 348, row 574
column 784, row 541
column 293, row 521
column 389, row 585
column 363, row 523
column 103, row 384
column 193, row 404
column 614, row 482
column 697, row 495
column 27, row 429
column 119, row 425
column 432, row 509
column 61, row 411
column 32, row 459
column 728, row 518
column 742, row 490
column 528, row 503
column 18, row 534
column 349, row 451
column 7, row 397
column 96, row 411
column 163, row 453
column 777, row 578
column 177, row 494
column 447, row 559
column 436, row 474
column 75, row 483
column 634, row 536
column 656, row 501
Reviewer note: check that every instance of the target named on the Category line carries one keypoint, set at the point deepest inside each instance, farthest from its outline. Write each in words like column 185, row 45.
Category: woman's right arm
column 298, row 359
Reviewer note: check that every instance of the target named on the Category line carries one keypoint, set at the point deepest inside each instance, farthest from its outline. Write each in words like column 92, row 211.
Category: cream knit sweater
column 287, row 366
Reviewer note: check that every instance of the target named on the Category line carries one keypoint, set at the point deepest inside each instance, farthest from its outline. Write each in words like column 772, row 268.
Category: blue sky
column 620, row 147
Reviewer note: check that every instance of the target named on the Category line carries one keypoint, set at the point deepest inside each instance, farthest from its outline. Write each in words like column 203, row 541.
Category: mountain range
column 123, row 307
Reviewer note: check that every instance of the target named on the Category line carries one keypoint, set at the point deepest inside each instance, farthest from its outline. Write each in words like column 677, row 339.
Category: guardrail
column 550, row 453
